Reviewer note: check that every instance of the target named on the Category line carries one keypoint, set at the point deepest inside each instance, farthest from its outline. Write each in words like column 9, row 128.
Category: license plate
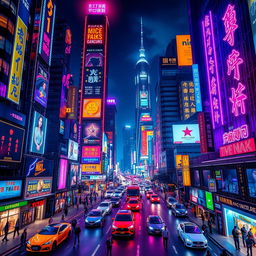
column 35, row 248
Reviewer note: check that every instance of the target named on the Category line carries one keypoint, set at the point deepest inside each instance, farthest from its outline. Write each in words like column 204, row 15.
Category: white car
column 109, row 193
column 191, row 235
column 106, row 207
column 118, row 194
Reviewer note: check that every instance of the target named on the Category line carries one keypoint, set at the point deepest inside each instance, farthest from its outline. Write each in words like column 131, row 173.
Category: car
column 123, row 224
column 109, row 194
column 155, row 225
column 106, row 207
column 133, row 204
column 149, row 193
column 49, row 238
column 115, row 201
column 95, row 218
column 171, row 201
column 179, row 210
column 118, row 194
column 154, row 198
column 191, row 235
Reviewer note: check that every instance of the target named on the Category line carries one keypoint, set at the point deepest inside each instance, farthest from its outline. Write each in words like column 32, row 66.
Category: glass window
column 228, row 181
column 206, row 177
column 2, row 40
column 251, row 178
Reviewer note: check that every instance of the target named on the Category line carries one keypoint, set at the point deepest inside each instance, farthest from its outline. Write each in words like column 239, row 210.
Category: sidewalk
column 8, row 247
column 222, row 241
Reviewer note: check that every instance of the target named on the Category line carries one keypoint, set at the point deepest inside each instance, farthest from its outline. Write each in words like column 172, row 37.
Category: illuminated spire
column 142, row 50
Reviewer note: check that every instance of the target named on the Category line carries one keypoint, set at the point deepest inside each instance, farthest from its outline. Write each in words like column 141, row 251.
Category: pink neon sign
column 97, row 8
column 212, row 71
column 236, row 134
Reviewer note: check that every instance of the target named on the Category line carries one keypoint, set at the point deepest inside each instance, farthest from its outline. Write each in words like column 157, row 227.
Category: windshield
column 133, row 192
column 154, row 196
column 133, row 201
column 150, row 192
column 114, row 199
column 94, row 213
column 155, row 220
column 172, row 200
column 180, row 206
column 103, row 205
column 192, row 230
column 123, row 217
column 49, row 230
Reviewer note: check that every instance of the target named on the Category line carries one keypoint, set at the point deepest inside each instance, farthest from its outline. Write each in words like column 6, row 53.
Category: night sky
column 163, row 19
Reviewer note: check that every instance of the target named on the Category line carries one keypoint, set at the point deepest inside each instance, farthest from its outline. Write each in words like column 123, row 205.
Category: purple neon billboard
column 212, row 71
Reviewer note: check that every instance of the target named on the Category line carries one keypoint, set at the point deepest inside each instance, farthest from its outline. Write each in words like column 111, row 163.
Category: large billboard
column 90, row 169
column 91, row 133
column 18, row 55
column 36, row 187
column 184, row 51
column 93, row 82
column 41, row 85
column 92, row 108
column 74, row 174
column 72, row 102
column 185, row 133
column 95, row 34
column 12, row 115
column 63, row 168
column 91, row 154
column 252, row 10
column 94, row 57
column 11, row 144
column 38, row 167
column 64, row 94
column 196, row 79
column 10, row 189
column 46, row 30
column 38, row 134
column 72, row 150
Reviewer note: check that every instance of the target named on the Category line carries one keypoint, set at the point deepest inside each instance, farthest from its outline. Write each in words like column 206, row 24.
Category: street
column 93, row 240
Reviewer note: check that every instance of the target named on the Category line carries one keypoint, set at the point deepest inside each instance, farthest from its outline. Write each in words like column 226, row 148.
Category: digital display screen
column 92, row 133
column 63, row 168
column 91, row 154
column 38, row 167
column 209, row 200
column 92, row 108
column 94, row 57
column 36, row 187
column 251, row 178
column 72, row 150
column 93, row 83
column 185, row 133
column 10, row 189
column 74, row 174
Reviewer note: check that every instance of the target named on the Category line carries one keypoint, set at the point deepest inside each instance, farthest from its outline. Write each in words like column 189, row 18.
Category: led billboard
column 94, row 57
column 93, row 83
column 74, row 174
column 91, row 108
column 72, row 150
column 95, row 34
column 38, row 135
column 185, row 133
column 10, row 189
column 91, row 133
column 91, row 154
column 184, row 51
column 38, row 167
column 90, row 169
column 63, row 168
column 11, row 145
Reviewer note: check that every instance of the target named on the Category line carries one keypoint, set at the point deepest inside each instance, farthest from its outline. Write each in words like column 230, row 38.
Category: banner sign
column 72, row 102
column 184, row 51
column 91, row 154
column 93, row 83
column 12, row 115
column 90, row 169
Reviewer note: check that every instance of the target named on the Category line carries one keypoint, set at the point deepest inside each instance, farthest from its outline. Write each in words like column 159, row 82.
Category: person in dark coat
column 66, row 211
column 235, row 233
column 109, row 243
column 6, row 230
column 80, row 200
column 202, row 217
column 244, row 235
column 249, row 245
column 77, row 235
column 73, row 224
column 23, row 238
column 16, row 228
column 210, row 225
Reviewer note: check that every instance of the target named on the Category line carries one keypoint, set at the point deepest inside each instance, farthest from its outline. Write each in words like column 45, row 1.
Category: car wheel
column 54, row 246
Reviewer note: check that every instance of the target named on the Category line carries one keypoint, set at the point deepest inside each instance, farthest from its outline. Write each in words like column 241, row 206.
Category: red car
column 149, row 193
column 154, row 198
column 134, row 205
column 123, row 224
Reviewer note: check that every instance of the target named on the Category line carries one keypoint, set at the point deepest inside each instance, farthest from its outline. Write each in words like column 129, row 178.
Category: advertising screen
column 209, row 200
column 72, row 150
column 64, row 94
column 74, row 130
column 185, row 133
column 36, row 187
column 63, row 168
column 144, row 99
column 46, row 30
column 184, row 51
column 251, row 178
column 196, row 178
column 72, row 102
column 93, row 83
column 91, row 154
column 201, row 197
column 92, row 133
column 74, row 174
column 38, row 134
column 252, row 8
column 90, row 169
column 11, row 145
column 62, row 127
column 12, row 115
column 194, row 195
column 94, row 58
column 92, row 108
column 38, row 167
column 95, row 34
column 10, row 189
column 41, row 85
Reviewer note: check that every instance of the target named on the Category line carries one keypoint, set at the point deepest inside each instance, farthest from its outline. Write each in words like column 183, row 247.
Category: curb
column 67, row 220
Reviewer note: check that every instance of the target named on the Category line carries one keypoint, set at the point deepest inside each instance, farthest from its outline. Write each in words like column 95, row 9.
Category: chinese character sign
column 46, row 30
column 212, row 71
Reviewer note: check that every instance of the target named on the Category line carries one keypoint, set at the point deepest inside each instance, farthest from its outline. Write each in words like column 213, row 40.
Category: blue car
column 155, row 225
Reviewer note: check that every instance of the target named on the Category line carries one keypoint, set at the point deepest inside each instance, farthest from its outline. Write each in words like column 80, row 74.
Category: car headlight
column 205, row 241
column 97, row 220
column 130, row 227
column 188, row 240
column 113, row 226
column 137, row 206
column 186, row 212
column 86, row 220
column 162, row 228
column 151, row 228
column 128, row 206
column 49, row 242
column 28, row 242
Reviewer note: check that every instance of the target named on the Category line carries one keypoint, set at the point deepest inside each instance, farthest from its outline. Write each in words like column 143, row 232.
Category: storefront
column 60, row 201
column 10, row 213
column 94, row 182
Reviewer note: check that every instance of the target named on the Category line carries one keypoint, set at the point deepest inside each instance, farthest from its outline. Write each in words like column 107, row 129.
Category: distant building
column 128, row 146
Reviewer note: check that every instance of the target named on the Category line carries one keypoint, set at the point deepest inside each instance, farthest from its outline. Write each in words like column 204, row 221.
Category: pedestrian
column 109, row 243
column 86, row 200
column 80, row 200
column 91, row 199
column 165, row 196
column 165, row 237
column 244, row 235
column 77, row 235
column 73, row 224
column 249, row 243
column 66, row 210
column 235, row 233
column 62, row 217
column 224, row 253
column 204, row 228
column 250, row 234
column 77, row 206
column 85, row 210
column 6, row 230
column 210, row 224
column 50, row 220
column 16, row 228
column 202, row 217
column 23, row 238
column 194, row 210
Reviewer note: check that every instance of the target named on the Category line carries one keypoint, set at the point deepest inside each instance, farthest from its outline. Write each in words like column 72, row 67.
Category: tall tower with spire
column 144, row 125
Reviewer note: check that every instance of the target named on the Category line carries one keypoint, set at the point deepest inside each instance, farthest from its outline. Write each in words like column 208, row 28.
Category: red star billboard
column 185, row 133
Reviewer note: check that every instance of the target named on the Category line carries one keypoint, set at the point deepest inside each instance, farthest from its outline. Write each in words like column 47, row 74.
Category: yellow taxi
column 49, row 238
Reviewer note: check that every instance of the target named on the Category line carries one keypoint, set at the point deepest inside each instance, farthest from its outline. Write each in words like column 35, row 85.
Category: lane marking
column 96, row 249
column 210, row 248
column 109, row 229
column 138, row 250
column 174, row 248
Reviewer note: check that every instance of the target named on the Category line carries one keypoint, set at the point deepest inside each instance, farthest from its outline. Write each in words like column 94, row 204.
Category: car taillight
column 137, row 206
column 128, row 206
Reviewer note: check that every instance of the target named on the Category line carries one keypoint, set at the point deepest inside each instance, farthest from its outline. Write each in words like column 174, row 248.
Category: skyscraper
column 143, row 121
column 128, row 146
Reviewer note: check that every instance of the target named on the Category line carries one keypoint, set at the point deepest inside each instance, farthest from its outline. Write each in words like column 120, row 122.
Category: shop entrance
column 11, row 216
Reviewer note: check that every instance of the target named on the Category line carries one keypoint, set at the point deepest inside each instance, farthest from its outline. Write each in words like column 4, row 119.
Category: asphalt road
column 93, row 241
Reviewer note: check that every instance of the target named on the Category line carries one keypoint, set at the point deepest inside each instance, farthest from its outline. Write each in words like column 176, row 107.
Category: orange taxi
column 49, row 238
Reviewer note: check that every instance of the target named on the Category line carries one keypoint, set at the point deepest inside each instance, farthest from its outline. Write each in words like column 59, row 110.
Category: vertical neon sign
column 212, row 71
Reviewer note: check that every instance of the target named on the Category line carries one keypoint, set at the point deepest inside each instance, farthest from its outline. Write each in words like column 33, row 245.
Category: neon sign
column 212, row 71
column 235, row 135
column 97, row 8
